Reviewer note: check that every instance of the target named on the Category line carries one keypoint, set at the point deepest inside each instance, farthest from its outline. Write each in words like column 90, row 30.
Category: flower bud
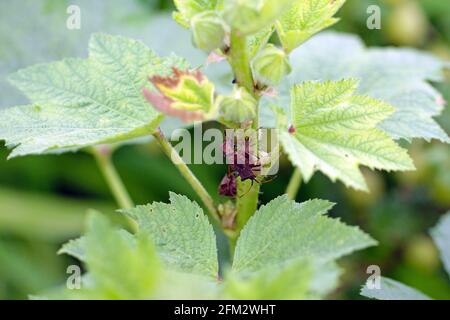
column 251, row 16
column 209, row 31
column 270, row 66
column 237, row 108
column 187, row 95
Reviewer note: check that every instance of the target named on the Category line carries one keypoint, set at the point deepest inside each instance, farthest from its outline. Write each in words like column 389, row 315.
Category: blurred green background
column 43, row 199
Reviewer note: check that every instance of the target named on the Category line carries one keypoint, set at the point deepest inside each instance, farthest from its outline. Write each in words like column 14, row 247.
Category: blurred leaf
column 396, row 76
column 289, row 282
column 187, row 9
column 119, row 267
column 441, row 236
column 252, row 16
column 79, row 103
column 393, row 290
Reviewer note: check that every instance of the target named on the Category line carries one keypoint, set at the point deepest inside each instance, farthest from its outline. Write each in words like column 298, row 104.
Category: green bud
column 237, row 108
column 270, row 65
column 251, row 16
column 209, row 31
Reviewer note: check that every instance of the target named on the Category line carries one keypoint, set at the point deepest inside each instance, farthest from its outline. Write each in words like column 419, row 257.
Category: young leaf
column 396, row 76
column 183, row 236
column 335, row 132
column 284, row 230
column 252, row 16
column 393, row 290
column 187, row 9
column 78, row 103
column 441, row 236
column 304, row 19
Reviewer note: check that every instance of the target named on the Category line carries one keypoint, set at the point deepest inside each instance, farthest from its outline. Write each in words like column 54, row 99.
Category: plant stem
column 294, row 184
column 247, row 202
column 248, row 193
column 187, row 173
column 103, row 155
column 240, row 61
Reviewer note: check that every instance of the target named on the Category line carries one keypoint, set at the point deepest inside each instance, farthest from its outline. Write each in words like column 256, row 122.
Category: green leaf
column 393, row 290
column 396, row 76
column 284, row 230
column 78, row 103
column 119, row 267
column 187, row 9
column 335, row 132
column 75, row 248
column 252, row 16
column 184, row 238
column 289, row 282
column 441, row 236
column 257, row 41
column 304, row 19
column 295, row 280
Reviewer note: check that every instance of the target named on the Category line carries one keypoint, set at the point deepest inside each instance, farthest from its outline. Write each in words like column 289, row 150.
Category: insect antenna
column 251, row 186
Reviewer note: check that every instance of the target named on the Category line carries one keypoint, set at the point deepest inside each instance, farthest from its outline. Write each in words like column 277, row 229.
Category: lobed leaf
column 397, row 76
column 78, row 103
column 335, row 132
column 304, row 19
column 187, row 9
column 284, row 231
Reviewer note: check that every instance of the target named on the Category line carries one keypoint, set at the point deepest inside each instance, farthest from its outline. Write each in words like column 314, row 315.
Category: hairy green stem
column 187, row 173
column 240, row 61
column 248, row 192
column 294, row 184
column 103, row 156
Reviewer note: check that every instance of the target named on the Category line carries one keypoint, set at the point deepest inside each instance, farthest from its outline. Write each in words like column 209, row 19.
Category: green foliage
column 288, row 282
column 283, row 230
column 187, row 9
column 120, row 266
column 396, row 76
column 335, row 132
column 183, row 236
column 304, row 19
column 252, row 16
column 79, row 103
column 347, row 104
column 270, row 260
